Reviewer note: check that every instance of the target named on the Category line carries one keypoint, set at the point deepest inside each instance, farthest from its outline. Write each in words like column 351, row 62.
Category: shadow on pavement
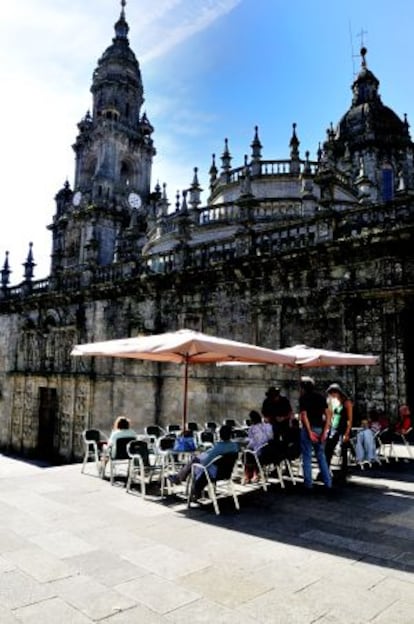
column 370, row 518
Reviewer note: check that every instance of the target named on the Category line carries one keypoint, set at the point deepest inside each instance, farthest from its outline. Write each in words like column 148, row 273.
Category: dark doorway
column 48, row 410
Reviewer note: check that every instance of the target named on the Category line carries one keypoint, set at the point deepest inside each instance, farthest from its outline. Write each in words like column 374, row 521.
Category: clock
column 134, row 200
column 76, row 199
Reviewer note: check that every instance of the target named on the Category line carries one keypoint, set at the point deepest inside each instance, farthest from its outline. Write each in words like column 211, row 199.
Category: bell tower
column 114, row 152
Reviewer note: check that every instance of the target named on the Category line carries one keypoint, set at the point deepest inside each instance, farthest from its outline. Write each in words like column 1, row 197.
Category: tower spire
column 121, row 26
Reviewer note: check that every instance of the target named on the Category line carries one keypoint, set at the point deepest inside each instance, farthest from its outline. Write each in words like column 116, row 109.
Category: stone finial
column 213, row 170
column 294, row 143
column 256, row 145
column 5, row 272
column 195, row 190
column 184, row 207
column 226, row 156
column 29, row 265
column 319, row 153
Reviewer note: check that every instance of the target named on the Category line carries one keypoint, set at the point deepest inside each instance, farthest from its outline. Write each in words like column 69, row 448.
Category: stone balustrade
column 362, row 221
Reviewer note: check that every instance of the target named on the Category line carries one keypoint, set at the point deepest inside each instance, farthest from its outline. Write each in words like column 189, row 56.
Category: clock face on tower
column 77, row 198
column 134, row 200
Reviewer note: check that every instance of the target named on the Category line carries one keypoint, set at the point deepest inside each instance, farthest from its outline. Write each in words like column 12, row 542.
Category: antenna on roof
column 360, row 35
column 351, row 40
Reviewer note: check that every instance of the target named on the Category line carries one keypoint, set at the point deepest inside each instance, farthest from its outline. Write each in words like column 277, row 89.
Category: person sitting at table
column 224, row 446
column 403, row 424
column 374, row 421
column 365, row 447
column 120, row 429
column 259, row 433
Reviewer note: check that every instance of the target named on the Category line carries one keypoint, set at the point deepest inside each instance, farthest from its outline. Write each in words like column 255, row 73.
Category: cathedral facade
column 283, row 252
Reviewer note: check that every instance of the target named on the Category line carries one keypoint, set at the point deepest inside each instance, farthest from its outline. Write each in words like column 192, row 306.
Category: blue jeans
column 319, row 447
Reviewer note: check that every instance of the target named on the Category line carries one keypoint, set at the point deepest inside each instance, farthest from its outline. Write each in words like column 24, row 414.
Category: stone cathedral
column 282, row 252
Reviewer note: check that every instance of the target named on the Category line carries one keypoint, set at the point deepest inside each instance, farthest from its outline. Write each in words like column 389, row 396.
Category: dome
column 372, row 122
column 368, row 120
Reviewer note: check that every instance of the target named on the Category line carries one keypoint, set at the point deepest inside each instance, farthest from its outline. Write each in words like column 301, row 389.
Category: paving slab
column 75, row 550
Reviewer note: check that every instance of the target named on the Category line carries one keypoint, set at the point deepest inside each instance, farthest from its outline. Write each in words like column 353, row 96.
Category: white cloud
column 49, row 49
column 181, row 21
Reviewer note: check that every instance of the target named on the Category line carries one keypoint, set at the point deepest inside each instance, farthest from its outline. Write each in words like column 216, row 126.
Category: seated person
column 223, row 447
column 259, row 433
column 120, row 429
column 375, row 423
column 382, row 422
column 365, row 447
column 403, row 424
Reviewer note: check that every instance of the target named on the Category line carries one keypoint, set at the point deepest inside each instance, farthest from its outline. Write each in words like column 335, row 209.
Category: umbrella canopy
column 303, row 356
column 183, row 346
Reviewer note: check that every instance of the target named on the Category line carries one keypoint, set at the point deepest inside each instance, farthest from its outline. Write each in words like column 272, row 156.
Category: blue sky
column 211, row 69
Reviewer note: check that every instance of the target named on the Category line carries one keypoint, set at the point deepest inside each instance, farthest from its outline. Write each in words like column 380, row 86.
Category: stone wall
column 351, row 294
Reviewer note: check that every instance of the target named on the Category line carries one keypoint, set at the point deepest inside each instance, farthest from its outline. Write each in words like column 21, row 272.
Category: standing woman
column 341, row 425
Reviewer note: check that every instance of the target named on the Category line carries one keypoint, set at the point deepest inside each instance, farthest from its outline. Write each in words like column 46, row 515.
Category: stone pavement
column 75, row 550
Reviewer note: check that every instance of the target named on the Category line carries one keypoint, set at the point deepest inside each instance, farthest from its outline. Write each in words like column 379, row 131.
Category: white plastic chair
column 221, row 485
column 143, row 465
column 116, row 457
column 265, row 469
column 93, row 441
column 404, row 439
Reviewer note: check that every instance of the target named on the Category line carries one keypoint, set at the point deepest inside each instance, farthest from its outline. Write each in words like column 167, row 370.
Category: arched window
column 125, row 174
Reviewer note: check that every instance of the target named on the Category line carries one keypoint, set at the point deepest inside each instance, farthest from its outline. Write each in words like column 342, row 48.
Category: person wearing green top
column 341, row 425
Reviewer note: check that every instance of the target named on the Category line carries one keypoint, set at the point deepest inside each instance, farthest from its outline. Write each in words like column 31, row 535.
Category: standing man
column 277, row 411
column 315, row 417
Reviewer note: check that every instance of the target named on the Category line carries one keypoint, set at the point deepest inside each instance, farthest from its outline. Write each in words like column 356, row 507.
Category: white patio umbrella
column 184, row 346
column 302, row 356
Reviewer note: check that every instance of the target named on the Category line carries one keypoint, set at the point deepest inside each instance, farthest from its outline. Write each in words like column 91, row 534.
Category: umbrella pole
column 185, row 398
